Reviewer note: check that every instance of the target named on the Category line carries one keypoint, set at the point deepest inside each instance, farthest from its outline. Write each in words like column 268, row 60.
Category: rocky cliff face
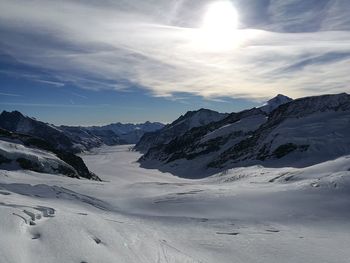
column 20, row 151
column 76, row 139
column 190, row 120
column 17, row 122
column 296, row 133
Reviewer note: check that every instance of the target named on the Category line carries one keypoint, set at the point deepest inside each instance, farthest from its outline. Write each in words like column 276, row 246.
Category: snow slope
column 36, row 159
column 298, row 133
column 180, row 126
column 245, row 125
column 252, row 214
column 76, row 139
column 208, row 120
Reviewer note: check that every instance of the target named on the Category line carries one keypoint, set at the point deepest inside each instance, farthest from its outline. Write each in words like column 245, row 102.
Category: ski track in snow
column 252, row 214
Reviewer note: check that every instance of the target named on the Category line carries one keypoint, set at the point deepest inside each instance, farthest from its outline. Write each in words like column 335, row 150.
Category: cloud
column 79, row 95
column 9, row 94
column 323, row 59
column 70, row 105
column 49, row 105
column 296, row 47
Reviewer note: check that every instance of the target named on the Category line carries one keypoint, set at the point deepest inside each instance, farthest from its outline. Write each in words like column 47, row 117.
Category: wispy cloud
column 49, row 82
column 36, row 77
column 9, row 94
column 72, row 105
column 79, row 95
column 297, row 47
column 48, row 105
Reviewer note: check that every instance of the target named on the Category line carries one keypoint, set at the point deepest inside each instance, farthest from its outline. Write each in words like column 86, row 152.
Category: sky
column 92, row 62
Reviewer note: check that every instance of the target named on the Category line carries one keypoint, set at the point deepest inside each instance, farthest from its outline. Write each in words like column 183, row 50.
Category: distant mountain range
column 76, row 139
column 112, row 134
column 203, row 118
column 26, row 143
column 284, row 132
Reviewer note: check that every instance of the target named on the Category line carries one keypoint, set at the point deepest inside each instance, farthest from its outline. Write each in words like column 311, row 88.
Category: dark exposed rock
column 80, row 169
column 190, row 121
column 17, row 122
column 205, row 148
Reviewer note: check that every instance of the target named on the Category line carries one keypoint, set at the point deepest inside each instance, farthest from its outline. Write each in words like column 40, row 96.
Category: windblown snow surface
column 243, row 215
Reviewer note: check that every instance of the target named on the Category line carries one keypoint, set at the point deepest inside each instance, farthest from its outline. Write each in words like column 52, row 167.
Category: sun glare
column 220, row 17
column 219, row 26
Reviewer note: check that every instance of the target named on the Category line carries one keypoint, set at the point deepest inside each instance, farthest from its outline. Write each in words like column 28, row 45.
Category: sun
column 219, row 27
column 220, row 16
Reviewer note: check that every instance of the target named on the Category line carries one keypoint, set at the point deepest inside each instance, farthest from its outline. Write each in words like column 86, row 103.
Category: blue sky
column 33, row 92
column 95, row 62
column 72, row 105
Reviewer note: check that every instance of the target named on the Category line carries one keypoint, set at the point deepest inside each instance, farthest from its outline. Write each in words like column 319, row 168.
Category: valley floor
column 244, row 215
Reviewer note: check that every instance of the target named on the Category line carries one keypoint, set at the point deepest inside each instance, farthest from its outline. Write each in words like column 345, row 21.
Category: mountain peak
column 198, row 117
column 313, row 104
column 15, row 113
column 204, row 110
column 11, row 118
column 275, row 102
column 280, row 98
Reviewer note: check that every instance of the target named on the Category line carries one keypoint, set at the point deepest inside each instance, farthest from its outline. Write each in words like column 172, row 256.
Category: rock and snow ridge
column 76, row 139
column 275, row 102
column 17, row 122
column 304, row 132
column 112, row 134
column 26, row 143
column 180, row 126
column 15, row 156
column 297, row 133
column 194, row 119
column 20, row 151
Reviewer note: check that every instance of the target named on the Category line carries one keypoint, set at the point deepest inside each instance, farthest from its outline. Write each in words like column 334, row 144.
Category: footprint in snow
column 30, row 214
column 272, row 230
column 36, row 236
column 97, row 240
column 228, row 233
column 82, row 214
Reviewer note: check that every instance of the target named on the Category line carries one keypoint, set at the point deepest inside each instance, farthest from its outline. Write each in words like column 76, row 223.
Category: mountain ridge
column 299, row 132
column 75, row 138
column 23, row 151
column 181, row 125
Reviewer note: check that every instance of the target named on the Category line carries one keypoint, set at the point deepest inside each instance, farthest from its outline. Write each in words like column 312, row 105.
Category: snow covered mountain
column 25, row 152
column 76, row 139
column 298, row 133
column 68, row 139
column 301, row 133
column 26, row 143
column 112, row 134
column 86, row 138
column 128, row 133
column 177, row 128
column 275, row 102
column 125, row 128
column 17, row 122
